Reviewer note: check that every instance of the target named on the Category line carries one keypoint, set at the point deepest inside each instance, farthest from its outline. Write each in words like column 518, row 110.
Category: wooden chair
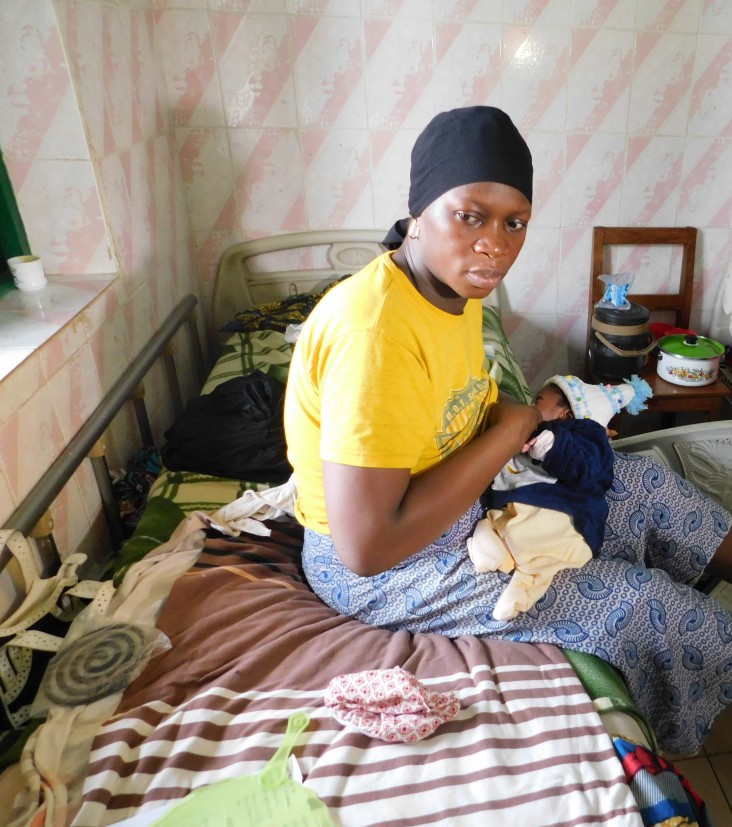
column 667, row 397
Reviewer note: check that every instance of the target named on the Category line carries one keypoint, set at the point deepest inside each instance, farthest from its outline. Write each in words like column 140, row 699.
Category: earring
column 415, row 231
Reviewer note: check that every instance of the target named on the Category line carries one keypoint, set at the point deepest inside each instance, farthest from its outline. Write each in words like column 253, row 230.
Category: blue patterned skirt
column 634, row 605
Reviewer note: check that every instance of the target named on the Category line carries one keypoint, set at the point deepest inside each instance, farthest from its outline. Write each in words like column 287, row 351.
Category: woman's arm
column 380, row 516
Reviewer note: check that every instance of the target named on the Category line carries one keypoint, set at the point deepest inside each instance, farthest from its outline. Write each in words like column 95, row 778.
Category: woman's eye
column 515, row 225
column 473, row 220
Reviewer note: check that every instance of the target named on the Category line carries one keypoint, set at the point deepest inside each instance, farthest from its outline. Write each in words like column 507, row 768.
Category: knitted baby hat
column 602, row 402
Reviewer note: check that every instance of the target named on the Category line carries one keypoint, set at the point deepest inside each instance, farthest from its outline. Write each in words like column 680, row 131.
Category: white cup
column 27, row 272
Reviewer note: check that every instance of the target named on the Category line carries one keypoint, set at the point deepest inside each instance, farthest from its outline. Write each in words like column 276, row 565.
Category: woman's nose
column 491, row 242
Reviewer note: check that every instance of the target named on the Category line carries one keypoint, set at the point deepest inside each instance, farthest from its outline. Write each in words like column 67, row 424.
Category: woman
column 394, row 430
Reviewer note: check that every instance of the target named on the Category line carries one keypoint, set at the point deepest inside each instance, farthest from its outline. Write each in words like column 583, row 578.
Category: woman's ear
column 413, row 228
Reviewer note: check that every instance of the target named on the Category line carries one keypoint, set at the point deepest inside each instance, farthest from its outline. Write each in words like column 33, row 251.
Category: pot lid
column 691, row 347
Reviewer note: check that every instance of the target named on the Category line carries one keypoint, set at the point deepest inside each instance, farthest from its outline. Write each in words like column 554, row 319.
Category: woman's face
column 468, row 239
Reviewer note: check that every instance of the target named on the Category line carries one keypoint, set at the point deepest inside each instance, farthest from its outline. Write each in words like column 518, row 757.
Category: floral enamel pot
column 684, row 359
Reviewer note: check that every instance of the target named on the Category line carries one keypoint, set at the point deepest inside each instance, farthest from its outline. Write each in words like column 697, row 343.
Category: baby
column 547, row 506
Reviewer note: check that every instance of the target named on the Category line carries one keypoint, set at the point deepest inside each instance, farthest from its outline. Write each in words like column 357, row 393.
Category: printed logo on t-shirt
column 462, row 415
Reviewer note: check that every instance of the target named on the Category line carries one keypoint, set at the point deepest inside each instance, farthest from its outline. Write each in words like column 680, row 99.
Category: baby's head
column 568, row 397
column 552, row 403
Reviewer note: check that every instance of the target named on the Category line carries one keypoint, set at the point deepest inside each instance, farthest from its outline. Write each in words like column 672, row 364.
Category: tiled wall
column 196, row 123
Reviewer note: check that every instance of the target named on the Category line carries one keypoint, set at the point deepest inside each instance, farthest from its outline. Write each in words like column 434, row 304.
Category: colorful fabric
column 634, row 606
column 389, row 704
column 277, row 315
column 665, row 798
column 373, row 349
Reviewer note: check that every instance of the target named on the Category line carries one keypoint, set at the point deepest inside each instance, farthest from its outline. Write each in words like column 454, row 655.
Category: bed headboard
column 269, row 269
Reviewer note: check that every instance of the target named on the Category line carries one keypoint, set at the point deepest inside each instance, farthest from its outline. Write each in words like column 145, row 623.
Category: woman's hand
column 515, row 421
column 379, row 517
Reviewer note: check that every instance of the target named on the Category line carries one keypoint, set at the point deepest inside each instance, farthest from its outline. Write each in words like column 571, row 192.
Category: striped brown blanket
column 252, row 645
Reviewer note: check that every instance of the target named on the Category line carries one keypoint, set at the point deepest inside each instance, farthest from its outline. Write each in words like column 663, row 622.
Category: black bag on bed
column 235, row 431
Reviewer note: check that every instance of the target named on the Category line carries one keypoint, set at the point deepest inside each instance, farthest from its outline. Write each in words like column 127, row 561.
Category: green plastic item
column 691, row 347
column 268, row 799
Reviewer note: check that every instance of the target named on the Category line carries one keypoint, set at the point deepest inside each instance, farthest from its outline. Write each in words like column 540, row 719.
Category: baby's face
column 551, row 403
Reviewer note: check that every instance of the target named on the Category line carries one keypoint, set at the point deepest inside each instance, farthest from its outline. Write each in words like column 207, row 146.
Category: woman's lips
column 485, row 279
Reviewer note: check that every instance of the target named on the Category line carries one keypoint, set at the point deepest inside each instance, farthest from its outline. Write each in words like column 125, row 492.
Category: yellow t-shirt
column 381, row 378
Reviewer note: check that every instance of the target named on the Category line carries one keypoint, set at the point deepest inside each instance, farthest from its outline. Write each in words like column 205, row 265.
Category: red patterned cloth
column 390, row 704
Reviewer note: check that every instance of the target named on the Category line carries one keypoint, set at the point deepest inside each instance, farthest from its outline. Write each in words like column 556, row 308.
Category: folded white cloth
column 247, row 512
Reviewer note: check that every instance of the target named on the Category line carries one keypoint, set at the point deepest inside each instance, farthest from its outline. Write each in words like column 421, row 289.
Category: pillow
column 502, row 364
column 707, row 463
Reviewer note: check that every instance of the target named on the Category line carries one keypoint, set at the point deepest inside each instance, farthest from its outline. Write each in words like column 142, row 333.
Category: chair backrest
column 678, row 303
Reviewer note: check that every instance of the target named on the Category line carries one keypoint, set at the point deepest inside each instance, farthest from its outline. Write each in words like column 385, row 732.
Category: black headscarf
column 464, row 146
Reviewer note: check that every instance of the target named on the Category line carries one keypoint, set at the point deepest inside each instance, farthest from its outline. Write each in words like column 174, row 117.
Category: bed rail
column 89, row 441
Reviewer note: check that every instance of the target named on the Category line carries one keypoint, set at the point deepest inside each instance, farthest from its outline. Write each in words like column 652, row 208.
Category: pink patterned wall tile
column 536, row 12
column 255, row 69
column 716, row 17
column 185, row 45
column 390, row 150
column 76, row 513
column 139, row 318
column 209, row 247
column 612, row 14
column 548, row 151
column 328, row 71
column 179, row 4
column 82, row 26
column 349, row 8
column 715, row 255
column 668, row 15
column 573, row 280
column 531, row 285
column 75, row 391
column 593, row 180
column 60, row 204
column 271, row 6
column 34, row 425
column 40, row 114
column 20, row 386
column 651, row 183
column 404, row 98
column 598, row 87
column 167, row 200
column 269, row 182
column 536, row 64
column 708, row 114
column 114, row 175
column 110, row 345
column 8, row 503
column 661, row 84
column 656, row 268
column 163, row 295
column 94, row 316
column 142, row 186
column 207, row 176
column 337, row 178
column 473, row 11
column 404, row 9
column 148, row 83
column 116, row 79
column 706, row 183
column 468, row 65
column 58, row 350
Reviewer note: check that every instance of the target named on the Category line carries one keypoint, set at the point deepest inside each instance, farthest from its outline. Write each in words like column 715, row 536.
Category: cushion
column 707, row 463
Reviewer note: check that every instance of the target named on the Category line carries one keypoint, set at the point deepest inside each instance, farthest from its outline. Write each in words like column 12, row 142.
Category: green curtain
column 13, row 240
